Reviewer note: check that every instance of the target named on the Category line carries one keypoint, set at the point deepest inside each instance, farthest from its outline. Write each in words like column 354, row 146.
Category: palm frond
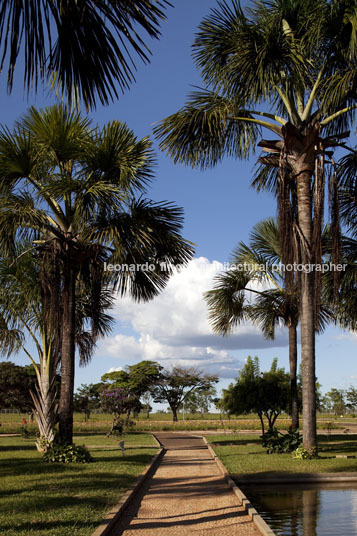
column 245, row 55
column 226, row 303
column 83, row 49
column 118, row 157
column 148, row 234
column 206, row 129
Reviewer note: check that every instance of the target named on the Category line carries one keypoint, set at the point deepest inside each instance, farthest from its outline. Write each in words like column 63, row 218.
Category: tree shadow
column 66, row 490
column 237, row 442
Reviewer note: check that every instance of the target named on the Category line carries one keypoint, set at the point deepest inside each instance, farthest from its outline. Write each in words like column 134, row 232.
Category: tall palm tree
column 289, row 68
column 81, row 48
column 69, row 189
column 22, row 322
column 253, row 289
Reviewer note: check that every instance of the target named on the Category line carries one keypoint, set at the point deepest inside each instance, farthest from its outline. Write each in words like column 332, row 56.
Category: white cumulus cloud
column 174, row 329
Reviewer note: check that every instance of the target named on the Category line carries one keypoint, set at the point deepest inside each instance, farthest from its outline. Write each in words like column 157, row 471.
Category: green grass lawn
column 101, row 441
column 57, row 499
column 101, row 423
column 245, row 455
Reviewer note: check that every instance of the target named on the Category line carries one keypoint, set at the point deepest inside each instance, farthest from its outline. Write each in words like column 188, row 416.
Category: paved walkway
column 186, row 495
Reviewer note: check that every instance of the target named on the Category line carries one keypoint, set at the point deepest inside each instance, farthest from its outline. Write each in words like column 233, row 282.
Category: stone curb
column 157, row 441
column 251, row 511
column 297, row 478
column 117, row 510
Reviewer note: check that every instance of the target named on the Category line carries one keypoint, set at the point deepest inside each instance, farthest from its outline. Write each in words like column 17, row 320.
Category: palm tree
column 256, row 272
column 21, row 314
column 288, row 68
column 82, row 49
column 69, row 189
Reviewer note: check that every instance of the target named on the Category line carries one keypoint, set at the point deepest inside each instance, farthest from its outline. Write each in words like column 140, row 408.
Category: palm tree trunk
column 67, row 355
column 293, row 376
column 45, row 406
column 307, row 320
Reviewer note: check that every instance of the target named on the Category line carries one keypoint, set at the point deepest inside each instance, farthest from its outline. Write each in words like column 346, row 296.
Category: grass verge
column 57, row 499
column 245, row 455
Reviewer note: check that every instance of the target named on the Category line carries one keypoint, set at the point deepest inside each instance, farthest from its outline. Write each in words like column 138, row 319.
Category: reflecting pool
column 306, row 509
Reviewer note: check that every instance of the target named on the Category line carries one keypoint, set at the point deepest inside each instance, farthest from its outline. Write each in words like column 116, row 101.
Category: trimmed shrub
column 67, row 453
column 276, row 442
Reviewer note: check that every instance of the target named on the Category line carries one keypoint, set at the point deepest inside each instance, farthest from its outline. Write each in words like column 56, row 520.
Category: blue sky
column 220, row 210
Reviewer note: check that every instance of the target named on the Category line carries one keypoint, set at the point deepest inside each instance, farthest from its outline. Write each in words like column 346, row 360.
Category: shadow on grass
column 43, row 527
column 69, row 491
column 237, row 442
column 11, row 448
column 131, row 458
column 35, row 466
column 336, row 437
column 341, row 448
column 287, row 476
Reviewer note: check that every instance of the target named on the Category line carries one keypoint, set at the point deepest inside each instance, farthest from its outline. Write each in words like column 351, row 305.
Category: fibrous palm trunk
column 46, row 414
column 293, row 376
column 307, row 310
column 67, row 354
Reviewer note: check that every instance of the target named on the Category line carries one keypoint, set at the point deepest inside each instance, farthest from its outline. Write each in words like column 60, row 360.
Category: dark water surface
column 306, row 509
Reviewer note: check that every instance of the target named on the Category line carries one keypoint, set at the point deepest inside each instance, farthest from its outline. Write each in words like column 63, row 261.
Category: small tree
column 86, row 399
column 337, row 397
column 136, row 379
column 147, row 399
column 15, row 385
column 200, row 400
column 118, row 402
column 266, row 394
column 351, row 397
column 177, row 384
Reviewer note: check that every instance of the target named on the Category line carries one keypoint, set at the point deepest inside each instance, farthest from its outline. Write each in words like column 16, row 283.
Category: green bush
column 67, row 453
column 305, row 454
column 276, row 442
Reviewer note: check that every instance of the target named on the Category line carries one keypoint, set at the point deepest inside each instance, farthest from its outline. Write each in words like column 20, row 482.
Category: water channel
column 306, row 509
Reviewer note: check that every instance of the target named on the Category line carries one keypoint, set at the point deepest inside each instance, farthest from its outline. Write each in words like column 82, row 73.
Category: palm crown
column 81, row 48
column 69, row 189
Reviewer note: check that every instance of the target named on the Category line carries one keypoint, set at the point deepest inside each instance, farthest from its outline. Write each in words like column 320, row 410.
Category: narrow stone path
column 186, row 495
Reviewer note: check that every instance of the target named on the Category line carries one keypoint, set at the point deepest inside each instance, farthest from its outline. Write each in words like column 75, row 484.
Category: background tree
column 70, row 190
column 337, row 397
column 299, row 58
column 200, row 401
column 81, row 49
column 351, row 397
column 146, row 399
column 86, row 399
column 15, row 385
column 266, row 394
column 175, row 385
column 138, row 380
column 118, row 402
